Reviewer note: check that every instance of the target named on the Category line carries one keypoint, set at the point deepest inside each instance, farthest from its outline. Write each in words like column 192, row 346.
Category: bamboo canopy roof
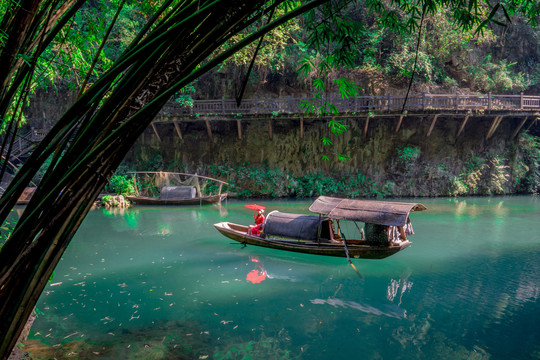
column 368, row 211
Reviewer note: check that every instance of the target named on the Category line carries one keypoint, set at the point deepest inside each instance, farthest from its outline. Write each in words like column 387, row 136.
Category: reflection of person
column 259, row 221
column 258, row 275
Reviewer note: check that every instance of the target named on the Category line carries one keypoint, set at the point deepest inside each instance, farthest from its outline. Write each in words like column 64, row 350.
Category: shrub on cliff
column 121, row 185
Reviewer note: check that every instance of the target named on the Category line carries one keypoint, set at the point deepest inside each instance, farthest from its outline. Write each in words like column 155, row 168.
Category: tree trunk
column 151, row 71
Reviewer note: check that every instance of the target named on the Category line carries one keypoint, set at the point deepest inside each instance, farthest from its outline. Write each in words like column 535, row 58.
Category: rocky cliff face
column 405, row 163
column 282, row 157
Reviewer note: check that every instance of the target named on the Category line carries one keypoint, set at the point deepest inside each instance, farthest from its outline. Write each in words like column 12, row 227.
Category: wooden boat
column 175, row 189
column 312, row 234
column 198, row 200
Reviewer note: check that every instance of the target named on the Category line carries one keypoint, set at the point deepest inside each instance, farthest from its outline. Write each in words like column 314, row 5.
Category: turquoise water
column 161, row 282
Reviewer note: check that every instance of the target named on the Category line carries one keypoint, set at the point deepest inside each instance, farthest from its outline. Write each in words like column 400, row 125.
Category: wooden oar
column 348, row 257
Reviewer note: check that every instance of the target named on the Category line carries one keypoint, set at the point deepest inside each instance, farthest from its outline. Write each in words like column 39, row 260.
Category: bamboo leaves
column 94, row 135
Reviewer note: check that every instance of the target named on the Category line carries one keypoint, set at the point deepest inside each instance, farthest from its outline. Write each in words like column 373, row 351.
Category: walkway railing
column 24, row 143
column 358, row 104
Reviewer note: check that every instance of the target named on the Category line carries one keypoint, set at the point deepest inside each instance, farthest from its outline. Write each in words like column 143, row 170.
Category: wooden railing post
column 223, row 104
column 289, row 104
column 457, row 101
column 389, row 98
column 239, row 128
column 521, row 101
column 489, row 101
column 423, row 101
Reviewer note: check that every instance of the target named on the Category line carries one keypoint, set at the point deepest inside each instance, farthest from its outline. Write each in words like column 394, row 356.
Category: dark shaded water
column 163, row 283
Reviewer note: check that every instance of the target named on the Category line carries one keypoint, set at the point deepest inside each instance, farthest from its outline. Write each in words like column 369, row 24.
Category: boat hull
column 364, row 251
column 205, row 200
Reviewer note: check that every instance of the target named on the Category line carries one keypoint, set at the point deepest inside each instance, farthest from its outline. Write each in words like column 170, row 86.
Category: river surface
column 162, row 283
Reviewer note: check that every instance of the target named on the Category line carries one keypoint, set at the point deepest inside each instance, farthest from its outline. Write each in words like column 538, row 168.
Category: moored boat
column 385, row 232
column 197, row 200
column 169, row 188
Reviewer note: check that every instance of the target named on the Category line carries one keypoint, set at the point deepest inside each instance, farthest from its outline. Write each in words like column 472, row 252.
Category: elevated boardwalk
column 361, row 104
column 523, row 109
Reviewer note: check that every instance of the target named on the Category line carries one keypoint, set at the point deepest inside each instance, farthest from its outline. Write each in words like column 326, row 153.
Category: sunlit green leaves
column 346, row 88
column 343, row 157
column 326, row 141
column 306, row 65
column 319, row 86
column 337, row 127
column 308, row 107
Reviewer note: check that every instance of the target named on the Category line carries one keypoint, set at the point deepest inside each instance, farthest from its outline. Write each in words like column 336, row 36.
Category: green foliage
column 151, row 162
column 498, row 175
column 400, row 64
column 529, row 177
column 497, row 76
column 107, row 198
column 121, row 185
column 69, row 58
column 468, row 181
column 183, row 97
column 333, row 43
column 458, row 187
column 247, row 181
column 337, row 127
column 407, row 154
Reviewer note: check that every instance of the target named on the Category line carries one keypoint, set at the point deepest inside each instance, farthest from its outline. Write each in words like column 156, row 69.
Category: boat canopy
column 293, row 226
column 368, row 211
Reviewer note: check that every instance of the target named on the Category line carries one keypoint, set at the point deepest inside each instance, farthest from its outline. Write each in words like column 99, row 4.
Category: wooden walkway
column 361, row 104
column 526, row 108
